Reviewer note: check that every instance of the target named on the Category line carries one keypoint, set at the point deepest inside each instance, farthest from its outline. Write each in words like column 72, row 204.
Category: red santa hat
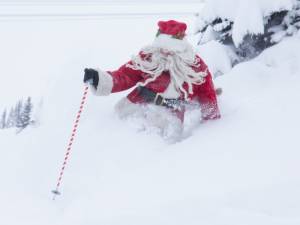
column 170, row 35
column 173, row 28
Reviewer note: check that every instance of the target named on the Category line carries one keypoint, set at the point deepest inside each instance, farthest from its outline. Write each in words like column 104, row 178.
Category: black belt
column 156, row 98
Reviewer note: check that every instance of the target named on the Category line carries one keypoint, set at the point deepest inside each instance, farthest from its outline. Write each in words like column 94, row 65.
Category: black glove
column 91, row 74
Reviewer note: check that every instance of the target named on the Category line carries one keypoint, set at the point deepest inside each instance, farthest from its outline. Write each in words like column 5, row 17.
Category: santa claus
column 167, row 75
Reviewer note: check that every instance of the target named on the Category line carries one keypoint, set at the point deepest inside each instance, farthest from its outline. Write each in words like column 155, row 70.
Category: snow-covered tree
column 248, row 27
column 11, row 119
column 3, row 120
column 18, row 114
column 25, row 117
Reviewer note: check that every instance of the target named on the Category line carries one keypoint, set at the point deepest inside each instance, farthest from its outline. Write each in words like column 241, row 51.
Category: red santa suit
column 169, row 67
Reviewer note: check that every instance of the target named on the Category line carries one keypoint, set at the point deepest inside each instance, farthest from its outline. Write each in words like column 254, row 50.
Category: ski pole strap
column 70, row 143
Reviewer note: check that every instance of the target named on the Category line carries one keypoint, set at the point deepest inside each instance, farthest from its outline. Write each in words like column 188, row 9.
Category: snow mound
column 217, row 65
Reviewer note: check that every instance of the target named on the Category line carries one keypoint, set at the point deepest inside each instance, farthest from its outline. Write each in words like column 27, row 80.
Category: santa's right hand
column 91, row 76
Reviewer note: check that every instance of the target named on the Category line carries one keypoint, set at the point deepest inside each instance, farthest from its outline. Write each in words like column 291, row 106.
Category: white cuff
column 105, row 84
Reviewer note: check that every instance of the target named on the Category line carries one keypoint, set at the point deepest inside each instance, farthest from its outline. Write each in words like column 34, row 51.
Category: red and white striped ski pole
column 69, row 146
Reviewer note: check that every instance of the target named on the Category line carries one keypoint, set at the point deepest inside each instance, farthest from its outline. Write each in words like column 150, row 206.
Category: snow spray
column 56, row 191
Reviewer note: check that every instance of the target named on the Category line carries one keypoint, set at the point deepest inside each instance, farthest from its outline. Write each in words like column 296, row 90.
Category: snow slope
column 242, row 169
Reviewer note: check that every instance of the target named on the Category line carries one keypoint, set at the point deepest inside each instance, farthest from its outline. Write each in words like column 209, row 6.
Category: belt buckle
column 158, row 100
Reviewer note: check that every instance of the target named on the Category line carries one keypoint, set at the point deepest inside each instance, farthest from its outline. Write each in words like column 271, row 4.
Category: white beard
column 173, row 55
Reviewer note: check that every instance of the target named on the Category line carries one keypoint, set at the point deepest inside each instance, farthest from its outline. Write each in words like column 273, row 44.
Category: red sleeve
column 206, row 95
column 125, row 78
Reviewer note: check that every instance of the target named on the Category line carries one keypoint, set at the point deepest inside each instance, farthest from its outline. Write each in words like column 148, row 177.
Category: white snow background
column 242, row 169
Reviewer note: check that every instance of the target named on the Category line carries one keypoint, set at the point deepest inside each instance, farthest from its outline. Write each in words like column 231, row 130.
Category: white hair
column 173, row 55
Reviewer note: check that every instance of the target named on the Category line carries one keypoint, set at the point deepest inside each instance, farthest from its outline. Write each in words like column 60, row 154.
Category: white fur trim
column 169, row 43
column 105, row 84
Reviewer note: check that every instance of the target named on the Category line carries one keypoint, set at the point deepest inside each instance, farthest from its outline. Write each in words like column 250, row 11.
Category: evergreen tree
column 18, row 114
column 11, row 120
column 3, row 120
column 25, row 118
